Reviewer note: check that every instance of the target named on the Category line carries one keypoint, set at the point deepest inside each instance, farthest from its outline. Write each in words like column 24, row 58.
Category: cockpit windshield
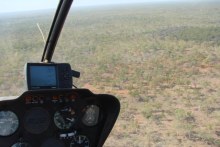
column 161, row 58
column 24, row 26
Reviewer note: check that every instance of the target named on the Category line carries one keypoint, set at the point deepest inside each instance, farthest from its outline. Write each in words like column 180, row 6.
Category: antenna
column 57, row 25
column 42, row 34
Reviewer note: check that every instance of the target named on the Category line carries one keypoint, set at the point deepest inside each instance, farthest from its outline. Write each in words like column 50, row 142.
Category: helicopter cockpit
column 50, row 113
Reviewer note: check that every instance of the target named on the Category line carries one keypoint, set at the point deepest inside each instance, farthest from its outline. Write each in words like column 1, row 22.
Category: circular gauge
column 36, row 120
column 91, row 115
column 65, row 118
column 53, row 143
column 8, row 123
column 21, row 144
column 80, row 141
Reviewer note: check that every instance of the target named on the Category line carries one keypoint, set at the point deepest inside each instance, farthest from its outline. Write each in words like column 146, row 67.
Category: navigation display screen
column 43, row 76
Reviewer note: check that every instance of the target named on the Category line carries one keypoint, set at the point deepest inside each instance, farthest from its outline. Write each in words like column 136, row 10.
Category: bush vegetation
column 161, row 60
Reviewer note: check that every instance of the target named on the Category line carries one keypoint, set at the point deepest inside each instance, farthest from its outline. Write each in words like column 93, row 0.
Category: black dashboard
column 57, row 118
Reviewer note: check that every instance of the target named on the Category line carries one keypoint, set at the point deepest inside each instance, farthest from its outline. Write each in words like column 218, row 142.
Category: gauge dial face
column 37, row 120
column 19, row 144
column 91, row 115
column 80, row 141
column 8, row 123
column 65, row 118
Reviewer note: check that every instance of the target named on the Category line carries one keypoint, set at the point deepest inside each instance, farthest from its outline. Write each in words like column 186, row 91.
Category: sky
column 25, row 5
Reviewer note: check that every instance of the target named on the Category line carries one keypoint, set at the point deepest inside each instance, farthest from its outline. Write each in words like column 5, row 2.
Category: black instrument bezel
column 109, row 107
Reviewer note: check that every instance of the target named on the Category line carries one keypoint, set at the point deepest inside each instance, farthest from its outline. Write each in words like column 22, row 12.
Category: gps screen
column 43, row 76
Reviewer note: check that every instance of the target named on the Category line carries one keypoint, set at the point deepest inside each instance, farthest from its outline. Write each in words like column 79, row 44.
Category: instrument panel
column 58, row 118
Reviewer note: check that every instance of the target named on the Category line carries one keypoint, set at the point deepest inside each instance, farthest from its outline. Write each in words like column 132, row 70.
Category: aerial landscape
column 161, row 60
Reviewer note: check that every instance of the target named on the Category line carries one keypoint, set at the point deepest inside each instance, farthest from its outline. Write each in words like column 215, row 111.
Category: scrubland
column 162, row 61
